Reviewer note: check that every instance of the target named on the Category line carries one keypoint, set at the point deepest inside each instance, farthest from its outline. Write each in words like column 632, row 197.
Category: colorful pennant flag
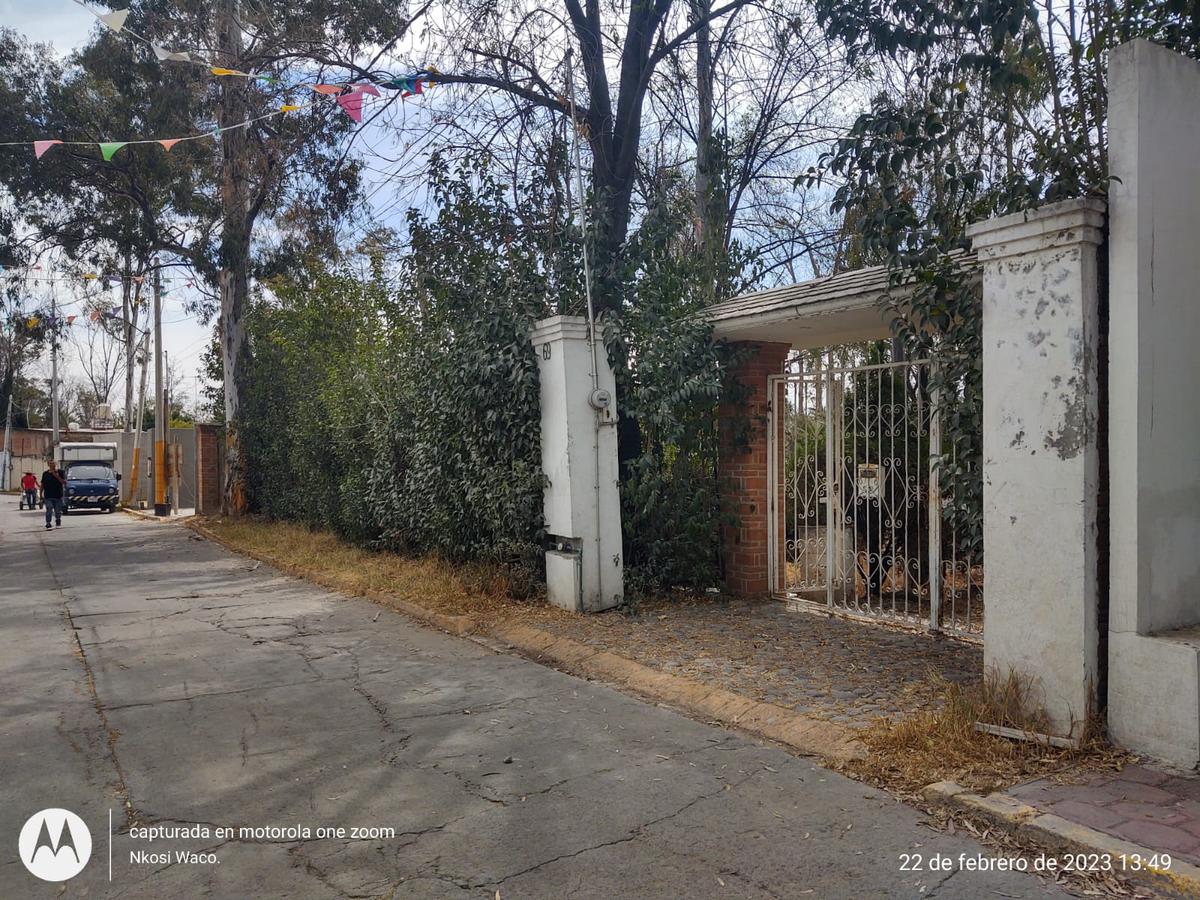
column 108, row 148
column 32, row 322
column 40, row 147
column 164, row 54
column 115, row 20
column 352, row 104
column 349, row 97
column 70, row 320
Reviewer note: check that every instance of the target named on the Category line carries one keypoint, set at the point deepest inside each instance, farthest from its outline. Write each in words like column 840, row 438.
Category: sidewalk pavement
column 1146, row 806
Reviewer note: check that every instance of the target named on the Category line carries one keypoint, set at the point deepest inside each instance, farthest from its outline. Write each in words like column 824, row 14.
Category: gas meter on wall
column 600, row 399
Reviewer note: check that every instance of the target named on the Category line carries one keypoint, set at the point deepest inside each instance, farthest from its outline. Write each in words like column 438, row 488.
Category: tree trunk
column 711, row 206
column 234, row 254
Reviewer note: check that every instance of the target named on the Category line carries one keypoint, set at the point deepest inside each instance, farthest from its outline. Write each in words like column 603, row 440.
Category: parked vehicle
column 92, row 476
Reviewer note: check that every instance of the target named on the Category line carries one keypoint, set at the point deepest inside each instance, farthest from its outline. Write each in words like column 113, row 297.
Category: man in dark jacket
column 53, row 485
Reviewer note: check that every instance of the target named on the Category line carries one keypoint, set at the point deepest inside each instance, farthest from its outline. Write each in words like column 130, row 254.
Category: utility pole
column 138, row 431
column 160, row 413
column 129, row 314
column 6, row 456
column 54, row 364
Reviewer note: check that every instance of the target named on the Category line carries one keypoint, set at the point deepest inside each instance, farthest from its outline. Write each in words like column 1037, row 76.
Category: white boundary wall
column 1154, row 409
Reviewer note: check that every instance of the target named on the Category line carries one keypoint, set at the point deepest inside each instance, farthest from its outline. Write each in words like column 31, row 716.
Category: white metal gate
column 856, row 514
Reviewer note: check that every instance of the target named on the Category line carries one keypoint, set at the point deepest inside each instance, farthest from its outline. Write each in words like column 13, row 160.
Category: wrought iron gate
column 856, row 509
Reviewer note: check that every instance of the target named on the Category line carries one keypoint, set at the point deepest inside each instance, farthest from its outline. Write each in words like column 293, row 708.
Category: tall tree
column 520, row 50
column 292, row 170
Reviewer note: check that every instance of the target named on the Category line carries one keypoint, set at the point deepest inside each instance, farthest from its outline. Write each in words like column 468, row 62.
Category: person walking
column 29, row 484
column 53, row 488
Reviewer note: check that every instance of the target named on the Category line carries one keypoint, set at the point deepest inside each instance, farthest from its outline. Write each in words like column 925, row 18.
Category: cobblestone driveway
column 821, row 666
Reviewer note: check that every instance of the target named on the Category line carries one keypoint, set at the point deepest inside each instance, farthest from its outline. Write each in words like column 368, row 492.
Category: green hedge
column 404, row 414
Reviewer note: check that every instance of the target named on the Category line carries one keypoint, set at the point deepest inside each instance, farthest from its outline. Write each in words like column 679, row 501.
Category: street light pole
column 160, row 413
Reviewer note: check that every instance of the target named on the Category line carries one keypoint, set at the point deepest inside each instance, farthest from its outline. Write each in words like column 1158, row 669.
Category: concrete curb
column 1056, row 834
column 829, row 741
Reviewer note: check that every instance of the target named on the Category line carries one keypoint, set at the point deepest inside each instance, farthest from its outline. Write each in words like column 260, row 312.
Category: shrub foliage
column 395, row 402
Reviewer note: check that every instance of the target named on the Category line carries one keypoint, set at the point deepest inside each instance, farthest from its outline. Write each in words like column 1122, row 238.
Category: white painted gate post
column 581, row 502
column 1040, row 450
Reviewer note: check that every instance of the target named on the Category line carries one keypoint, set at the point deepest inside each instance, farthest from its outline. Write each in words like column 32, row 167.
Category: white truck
column 91, row 473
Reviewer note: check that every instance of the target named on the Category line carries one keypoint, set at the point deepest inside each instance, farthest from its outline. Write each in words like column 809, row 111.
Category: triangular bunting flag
column 169, row 143
column 416, row 86
column 289, row 107
column 108, row 148
column 367, row 89
column 164, row 54
column 70, row 320
column 217, row 70
column 352, row 105
column 90, row 276
column 115, row 20
column 94, row 315
column 397, row 84
column 40, row 147
column 32, row 323
column 327, row 88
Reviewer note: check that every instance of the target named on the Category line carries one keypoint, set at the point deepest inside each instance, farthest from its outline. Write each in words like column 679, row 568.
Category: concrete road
column 153, row 676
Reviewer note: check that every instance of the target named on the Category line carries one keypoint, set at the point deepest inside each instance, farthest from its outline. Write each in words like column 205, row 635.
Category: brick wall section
column 744, row 473
column 208, row 469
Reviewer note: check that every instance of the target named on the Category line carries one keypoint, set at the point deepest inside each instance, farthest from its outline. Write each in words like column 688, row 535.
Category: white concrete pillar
column 1154, row 403
column 582, row 504
column 1041, row 463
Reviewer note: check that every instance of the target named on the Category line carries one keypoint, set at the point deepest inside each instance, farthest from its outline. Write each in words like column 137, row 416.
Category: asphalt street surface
column 223, row 714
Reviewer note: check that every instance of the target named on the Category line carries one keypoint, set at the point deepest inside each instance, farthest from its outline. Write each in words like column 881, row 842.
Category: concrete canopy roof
column 838, row 309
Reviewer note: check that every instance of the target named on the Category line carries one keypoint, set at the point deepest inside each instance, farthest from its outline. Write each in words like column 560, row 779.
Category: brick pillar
column 208, row 469
column 743, row 470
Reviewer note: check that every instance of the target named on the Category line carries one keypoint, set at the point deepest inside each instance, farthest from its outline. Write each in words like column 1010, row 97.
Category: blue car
column 92, row 485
